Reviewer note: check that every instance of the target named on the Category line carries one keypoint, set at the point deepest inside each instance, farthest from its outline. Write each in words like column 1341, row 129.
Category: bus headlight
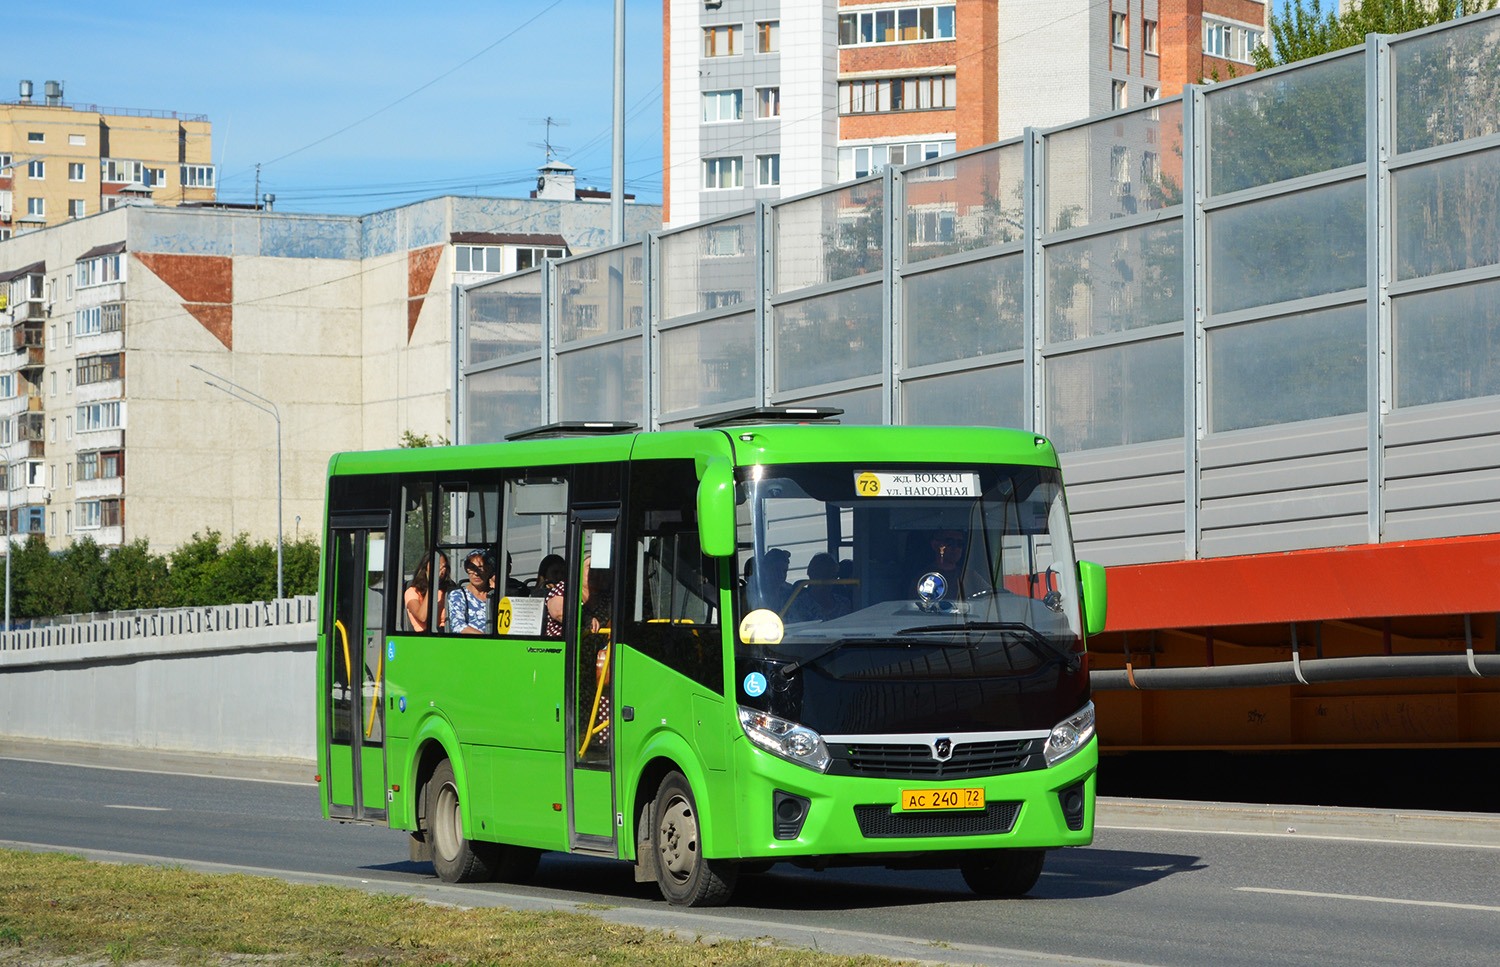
column 788, row 740
column 1070, row 735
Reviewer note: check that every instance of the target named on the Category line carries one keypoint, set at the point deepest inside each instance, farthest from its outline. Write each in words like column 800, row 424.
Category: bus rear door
column 590, row 687
column 355, row 669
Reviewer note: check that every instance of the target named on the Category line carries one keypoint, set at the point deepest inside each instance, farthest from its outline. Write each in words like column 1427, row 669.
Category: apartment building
column 343, row 323
column 60, row 161
column 767, row 99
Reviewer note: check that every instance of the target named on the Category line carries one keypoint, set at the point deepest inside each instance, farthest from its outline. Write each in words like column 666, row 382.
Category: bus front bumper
column 787, row 811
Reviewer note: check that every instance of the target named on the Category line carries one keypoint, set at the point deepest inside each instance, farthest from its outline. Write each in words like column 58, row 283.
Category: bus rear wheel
column 1004, row 873
column 686, row 877
column 456, row 859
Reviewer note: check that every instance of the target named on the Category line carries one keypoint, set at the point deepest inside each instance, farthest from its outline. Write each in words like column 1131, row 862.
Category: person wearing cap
column 768, row 583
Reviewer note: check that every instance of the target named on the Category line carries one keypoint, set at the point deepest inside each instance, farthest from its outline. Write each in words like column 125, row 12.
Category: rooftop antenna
column 546, row 143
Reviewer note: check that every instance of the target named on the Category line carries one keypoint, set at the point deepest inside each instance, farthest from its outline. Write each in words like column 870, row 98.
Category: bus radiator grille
column 969, row 759
column 877, row 821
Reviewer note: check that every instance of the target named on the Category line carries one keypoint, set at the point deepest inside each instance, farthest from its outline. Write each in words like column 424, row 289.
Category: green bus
column 769, row 639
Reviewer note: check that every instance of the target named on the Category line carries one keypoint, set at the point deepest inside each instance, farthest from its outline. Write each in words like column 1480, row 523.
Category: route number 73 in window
column 914, row 799
column 916, row 484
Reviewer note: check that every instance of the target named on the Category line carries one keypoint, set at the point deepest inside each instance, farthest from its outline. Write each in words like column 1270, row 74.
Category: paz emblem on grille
column 942, row 749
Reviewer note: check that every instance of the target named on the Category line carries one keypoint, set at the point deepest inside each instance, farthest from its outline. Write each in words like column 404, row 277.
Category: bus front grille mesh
column 877, row 821
column 894, row 761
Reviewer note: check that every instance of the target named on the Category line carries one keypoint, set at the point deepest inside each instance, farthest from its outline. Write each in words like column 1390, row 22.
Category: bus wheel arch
column 684, row 874
column 643, row 815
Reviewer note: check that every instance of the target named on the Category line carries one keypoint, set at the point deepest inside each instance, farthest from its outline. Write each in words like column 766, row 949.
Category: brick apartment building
column 767, row 99
column 60, row 161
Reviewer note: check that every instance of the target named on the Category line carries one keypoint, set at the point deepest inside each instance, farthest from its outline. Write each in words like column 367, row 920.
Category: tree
column 1306, row 31
column 134, row 578
column 192, row 567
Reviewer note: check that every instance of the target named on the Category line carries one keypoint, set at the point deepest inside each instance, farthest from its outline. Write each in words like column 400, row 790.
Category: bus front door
column 590, row 688
column 355, row 672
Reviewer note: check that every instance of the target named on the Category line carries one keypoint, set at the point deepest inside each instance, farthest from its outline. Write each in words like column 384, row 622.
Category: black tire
column 686, row 877
column 456, row 860
column 515, row 864
column 1004, row 873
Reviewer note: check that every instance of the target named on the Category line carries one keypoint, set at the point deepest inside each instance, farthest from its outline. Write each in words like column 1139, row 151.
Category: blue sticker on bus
column 390, row 651
column 755, row 684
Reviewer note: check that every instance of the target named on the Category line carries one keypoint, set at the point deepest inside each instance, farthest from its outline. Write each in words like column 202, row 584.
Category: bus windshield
column 870, row 573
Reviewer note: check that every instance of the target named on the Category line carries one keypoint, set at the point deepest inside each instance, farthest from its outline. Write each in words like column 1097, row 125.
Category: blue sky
column 282, row 80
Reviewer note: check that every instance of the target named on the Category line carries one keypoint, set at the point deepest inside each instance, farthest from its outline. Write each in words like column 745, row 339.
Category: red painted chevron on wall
column 421, row 266
column 206, row 285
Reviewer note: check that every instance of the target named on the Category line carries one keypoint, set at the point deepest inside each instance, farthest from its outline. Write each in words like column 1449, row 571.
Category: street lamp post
column 265, row 406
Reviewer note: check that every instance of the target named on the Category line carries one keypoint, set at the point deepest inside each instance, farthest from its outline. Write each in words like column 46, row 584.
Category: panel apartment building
column 344, row 323
column 60, row 161
column 770, row 98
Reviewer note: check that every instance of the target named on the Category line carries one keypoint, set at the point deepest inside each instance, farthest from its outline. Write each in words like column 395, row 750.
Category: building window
column 723, row 41
column 768, row 36
column 723, row 172
column 1149, row 94
column 1116, row 95
column 75, row 170
column 858, row 161
column 1119, row 30
column 896, row 25
column 97, row 319
column 155, row 177
column 101, row 465
column 723, row 241
column 476, row 258
column 97, row 369
column 7, row 386
column 118, row 172
column 88, row 515
column 1148, row 36
column 768, row 102
column 36, row 169
column 100, row 270
column 528, row 257
column 76, row 140
column 75, row 208
column 722, row 105
column 5, row 165
column 1229, row 41
column 35, row 137
column 36, row 207
column 197, row 176
column 99, row 416
column 767, row 170
column 889, row 94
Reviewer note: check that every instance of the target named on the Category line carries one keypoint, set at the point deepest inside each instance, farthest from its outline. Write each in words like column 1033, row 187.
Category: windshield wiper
column 1029, row 636
column 834, row 646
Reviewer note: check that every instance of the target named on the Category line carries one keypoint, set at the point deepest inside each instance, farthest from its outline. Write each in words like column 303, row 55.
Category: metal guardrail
column 123, row 626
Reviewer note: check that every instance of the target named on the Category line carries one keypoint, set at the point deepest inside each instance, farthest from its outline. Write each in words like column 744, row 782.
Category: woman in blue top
column 468, row 605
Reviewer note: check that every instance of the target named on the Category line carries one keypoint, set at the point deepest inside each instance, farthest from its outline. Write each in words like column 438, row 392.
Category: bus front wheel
column 456, row 860
column 687, row 878
column 1004, row 873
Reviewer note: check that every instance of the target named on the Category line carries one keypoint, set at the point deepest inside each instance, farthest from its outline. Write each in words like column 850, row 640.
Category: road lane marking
column 1371, row 899
column 1382, row 840
column 144, row 809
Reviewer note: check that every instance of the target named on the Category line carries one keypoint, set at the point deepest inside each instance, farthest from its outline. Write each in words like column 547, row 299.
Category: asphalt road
column 1169, row 886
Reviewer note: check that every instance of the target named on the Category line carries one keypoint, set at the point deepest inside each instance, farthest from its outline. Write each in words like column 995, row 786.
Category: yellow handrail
column 375, row 705
column 595, row 729
column 348, row 668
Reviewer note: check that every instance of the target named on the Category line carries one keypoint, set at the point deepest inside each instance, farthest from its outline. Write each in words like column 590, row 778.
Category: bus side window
column 673, row 615
column 534, row 540
column 419, row 579
column 468, row 534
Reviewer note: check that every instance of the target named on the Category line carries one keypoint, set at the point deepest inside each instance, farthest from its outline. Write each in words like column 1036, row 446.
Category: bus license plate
column 914, row 799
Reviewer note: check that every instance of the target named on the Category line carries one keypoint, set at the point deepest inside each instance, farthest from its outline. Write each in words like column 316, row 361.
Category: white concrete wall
column 217, row 680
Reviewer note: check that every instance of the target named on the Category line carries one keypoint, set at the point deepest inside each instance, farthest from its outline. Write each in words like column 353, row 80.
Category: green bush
column 86, row 578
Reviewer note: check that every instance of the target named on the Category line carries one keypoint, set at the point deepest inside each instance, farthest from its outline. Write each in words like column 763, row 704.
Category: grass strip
column 58, row 909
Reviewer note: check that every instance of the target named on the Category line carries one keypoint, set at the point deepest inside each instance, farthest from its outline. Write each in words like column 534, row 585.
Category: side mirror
column 716, row 509
column 1095, row 596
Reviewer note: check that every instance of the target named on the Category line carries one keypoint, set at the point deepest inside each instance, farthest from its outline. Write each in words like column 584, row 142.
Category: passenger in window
column 768, row 584
column 552, row 569
column 946, row 558
column 468, row 605
column 820, row 597
column 420, row 593
column 552, row 610
column 598, row 599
